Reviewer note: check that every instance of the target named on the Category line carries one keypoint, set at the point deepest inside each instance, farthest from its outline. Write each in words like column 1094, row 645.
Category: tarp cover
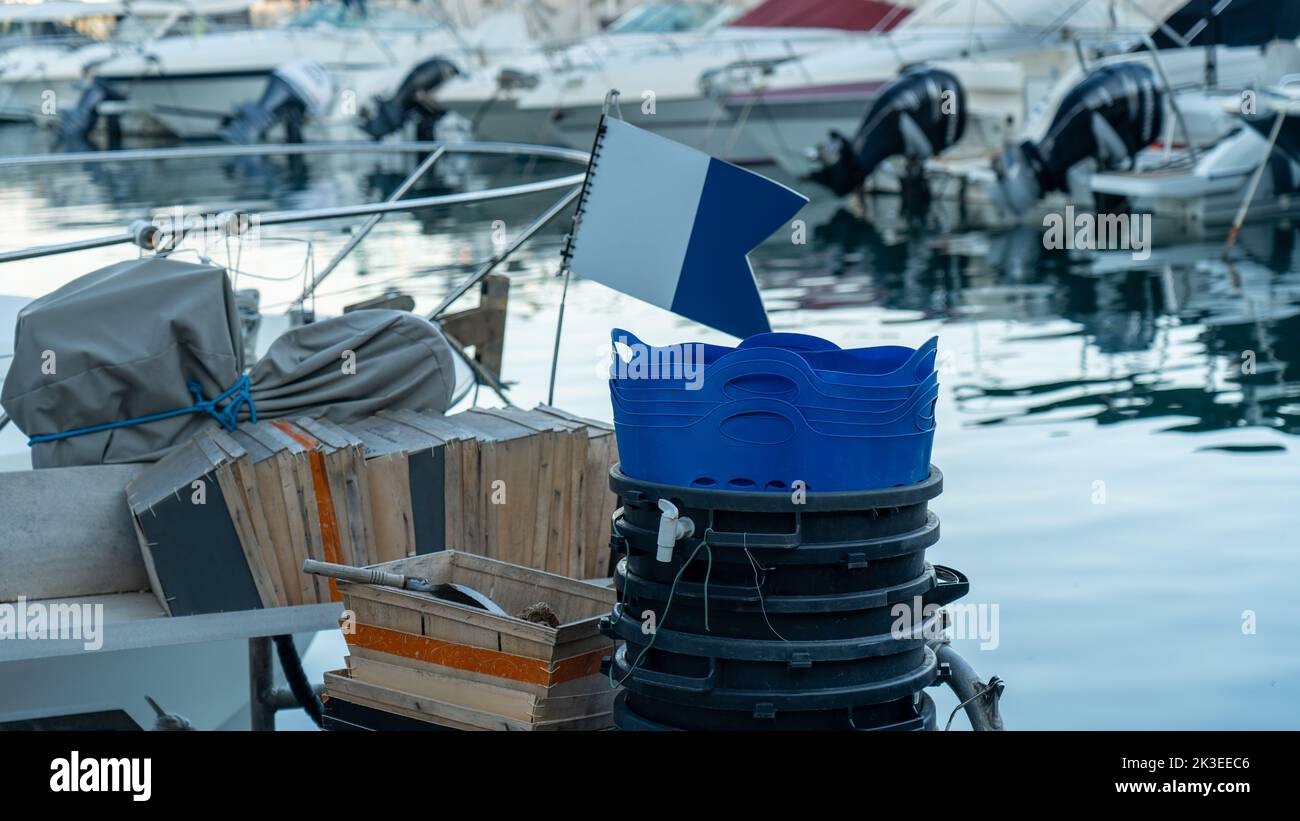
column 401, row 361
column 121, row 343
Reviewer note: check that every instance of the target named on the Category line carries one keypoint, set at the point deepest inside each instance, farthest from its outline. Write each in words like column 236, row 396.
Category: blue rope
column 239, row 394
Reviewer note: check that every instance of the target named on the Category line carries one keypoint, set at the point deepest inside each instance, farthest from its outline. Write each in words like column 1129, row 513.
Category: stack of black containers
column 787, row 619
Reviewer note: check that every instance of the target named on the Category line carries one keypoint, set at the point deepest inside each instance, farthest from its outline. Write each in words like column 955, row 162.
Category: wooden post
column 484, row 327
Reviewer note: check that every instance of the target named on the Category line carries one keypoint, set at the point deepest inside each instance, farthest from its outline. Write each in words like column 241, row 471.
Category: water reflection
column 1184, row 335
column 1209, row 343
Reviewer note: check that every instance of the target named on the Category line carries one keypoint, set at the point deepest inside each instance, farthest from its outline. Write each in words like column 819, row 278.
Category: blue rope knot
column 235, row 397
column 239, row 394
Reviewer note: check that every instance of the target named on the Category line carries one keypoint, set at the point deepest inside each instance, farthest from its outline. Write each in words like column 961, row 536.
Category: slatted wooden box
column 460, row 665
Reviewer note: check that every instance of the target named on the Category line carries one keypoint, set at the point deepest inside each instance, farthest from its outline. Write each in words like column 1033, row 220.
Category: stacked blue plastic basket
column 777, row 409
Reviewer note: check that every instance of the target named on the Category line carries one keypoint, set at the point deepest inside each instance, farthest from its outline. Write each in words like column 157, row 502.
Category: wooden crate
column 455, row 659
column 342, row 684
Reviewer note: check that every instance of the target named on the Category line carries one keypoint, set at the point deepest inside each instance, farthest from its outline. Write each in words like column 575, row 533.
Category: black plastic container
column 832, row 567
column 906, row 714
column 725, row 684
column 829, row 542
column 748, row 613
column 736, row 674
column 788, row 618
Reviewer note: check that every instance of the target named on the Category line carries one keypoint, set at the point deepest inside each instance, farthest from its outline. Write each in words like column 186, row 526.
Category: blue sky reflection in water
column 1115, row 484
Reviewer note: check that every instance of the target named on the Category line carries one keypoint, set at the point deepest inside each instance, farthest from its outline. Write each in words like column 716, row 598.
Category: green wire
column 672, row 591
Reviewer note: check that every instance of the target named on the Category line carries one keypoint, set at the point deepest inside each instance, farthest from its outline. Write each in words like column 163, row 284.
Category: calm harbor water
column 1116, row 486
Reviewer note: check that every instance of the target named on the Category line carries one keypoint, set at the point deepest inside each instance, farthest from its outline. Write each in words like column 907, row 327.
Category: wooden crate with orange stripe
column 448, row 661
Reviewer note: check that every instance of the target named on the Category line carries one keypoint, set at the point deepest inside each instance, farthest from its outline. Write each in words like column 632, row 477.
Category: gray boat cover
column 122, row 342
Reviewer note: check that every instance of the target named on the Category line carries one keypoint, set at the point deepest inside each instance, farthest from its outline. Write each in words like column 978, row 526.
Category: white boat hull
column 694, row 121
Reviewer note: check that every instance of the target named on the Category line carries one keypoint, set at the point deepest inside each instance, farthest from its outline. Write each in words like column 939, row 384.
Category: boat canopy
column 55, row 11
column 141, row 338
column 850, row 15
column 1039, row 15
column 671, row 18
column 1232, row 23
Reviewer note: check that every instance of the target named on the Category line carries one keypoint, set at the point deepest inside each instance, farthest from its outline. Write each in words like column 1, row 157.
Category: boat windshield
column 657, row 18
column 359, row 16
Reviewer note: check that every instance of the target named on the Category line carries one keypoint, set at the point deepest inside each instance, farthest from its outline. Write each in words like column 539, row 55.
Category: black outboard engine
column 295, row 92
column 918, row 115
column 391, row 114
column 1109, row 117
column 75, row 125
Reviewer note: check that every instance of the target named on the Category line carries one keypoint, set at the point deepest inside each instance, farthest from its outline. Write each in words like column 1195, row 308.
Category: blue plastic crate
column 646, row 406
column 768, row 444
column 767, row 373
column 892, row 370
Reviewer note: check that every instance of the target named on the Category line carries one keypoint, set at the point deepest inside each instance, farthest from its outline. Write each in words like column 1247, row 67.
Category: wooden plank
column 334, row 689
column 67, row 533
column 551, row 437
column 599, row 503
column 345, row 466
column 270, row 492
column 292, row 465
column 391, row 616
column 463, row 529
column 583, row 685
column 486, row 694
column 483, row 328
column 579, row 604
column 442, row 713
column 427, row 447
column 327, row 522
column 235, row 474
column 421, row 707
column 388, row 477
column 446, row 688
column 514, row 585
column 510, row 455
column 192, row 548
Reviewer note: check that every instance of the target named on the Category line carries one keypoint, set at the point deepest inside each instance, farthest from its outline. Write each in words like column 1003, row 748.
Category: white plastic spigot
column 672, row 526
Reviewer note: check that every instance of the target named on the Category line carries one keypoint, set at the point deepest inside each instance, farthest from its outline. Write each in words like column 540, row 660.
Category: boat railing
column 148, row 237
column 135, row 235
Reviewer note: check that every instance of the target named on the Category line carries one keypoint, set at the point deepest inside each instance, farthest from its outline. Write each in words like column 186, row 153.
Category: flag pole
column 559, row 326
column 610, row 97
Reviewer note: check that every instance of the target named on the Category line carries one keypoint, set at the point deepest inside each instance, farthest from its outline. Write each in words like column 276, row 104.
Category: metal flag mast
column 611, row 98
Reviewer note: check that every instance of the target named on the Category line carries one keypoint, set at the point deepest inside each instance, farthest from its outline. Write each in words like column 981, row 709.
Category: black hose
column 979, row 699
column 302, row 690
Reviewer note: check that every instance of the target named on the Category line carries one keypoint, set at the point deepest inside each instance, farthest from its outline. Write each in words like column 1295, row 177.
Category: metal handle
column 673, row 681
column 347, row 573
column 950, row 586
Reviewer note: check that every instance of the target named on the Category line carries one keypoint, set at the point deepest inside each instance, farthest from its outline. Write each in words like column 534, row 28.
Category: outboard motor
column 296, row 91
column 1109, row 117
column 918, row 115
column 391, row 114
column 75, row 125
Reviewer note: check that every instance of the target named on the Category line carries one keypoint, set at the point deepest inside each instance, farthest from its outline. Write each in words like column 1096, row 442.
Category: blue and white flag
column 672, row 226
